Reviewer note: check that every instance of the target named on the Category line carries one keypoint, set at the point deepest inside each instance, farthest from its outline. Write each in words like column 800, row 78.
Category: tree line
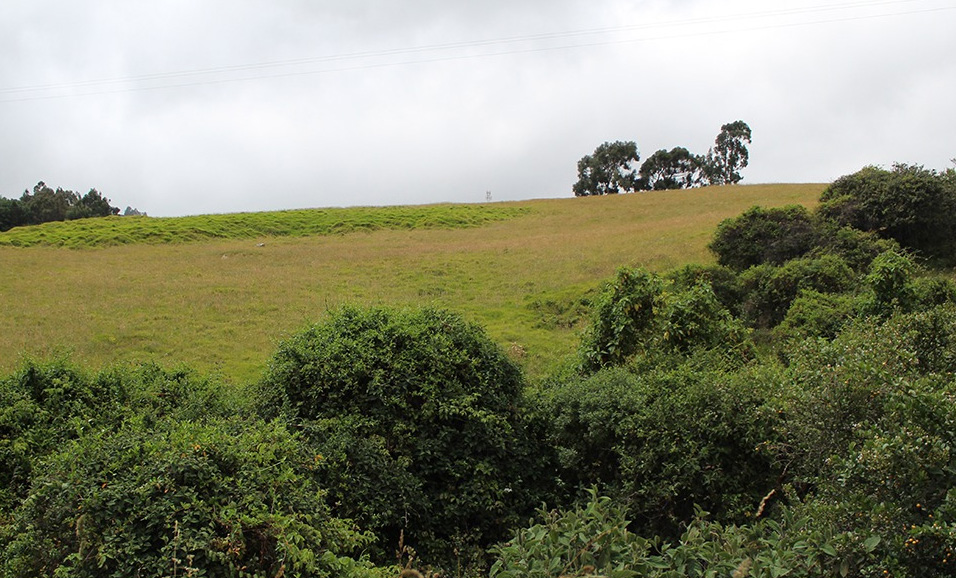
column 612, row 168
column 45, row 204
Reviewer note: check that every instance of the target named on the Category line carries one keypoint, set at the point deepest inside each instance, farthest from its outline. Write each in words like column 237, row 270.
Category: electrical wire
column 43, row 92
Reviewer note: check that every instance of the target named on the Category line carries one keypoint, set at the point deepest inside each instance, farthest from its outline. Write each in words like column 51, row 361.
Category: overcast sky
column 182, row 107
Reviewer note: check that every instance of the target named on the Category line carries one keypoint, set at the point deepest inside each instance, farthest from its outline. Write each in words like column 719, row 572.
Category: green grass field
column 200, row 291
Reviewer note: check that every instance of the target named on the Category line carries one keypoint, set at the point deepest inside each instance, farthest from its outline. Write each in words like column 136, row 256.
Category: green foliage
column 910, row 204
column 858, row 248
column 609, row 170
column 760, row 236
column 816, row 314
column 665, row 441
column 45, row 205
column 148, row 472
column 300, row 223
column 770, row 291
column 439, row 407
column 12, row 214
column 637, row 314
column 729, row 154
column 623, row 314
column 870, row 428
column 694, row 318
column 890, row 281
column 218, row 498
column 724, row 282
column 675, row 169
column 592, row 540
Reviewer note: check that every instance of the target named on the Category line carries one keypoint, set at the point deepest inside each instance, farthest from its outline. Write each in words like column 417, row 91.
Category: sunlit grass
column 222, row 304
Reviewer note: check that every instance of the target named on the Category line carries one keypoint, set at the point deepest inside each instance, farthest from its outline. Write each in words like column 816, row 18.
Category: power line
column 437, row 49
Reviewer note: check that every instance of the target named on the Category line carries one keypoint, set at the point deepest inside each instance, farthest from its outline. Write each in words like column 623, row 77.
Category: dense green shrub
column 761, row 235
column 771, row 290
column 815, row 314
column 592, row 541
column 694, row 318
column 665, row 441
column 225, row 498
column 149, row 472
column 623, row 314
column 423, row 402
column 890, row 281
column 724, row 282
column 913, row 205
column 842, row 385
column 858, row 248
column 638, row 314
column 46, row 404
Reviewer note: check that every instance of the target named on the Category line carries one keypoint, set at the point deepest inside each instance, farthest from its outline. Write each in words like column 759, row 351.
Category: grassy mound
column 111, row 231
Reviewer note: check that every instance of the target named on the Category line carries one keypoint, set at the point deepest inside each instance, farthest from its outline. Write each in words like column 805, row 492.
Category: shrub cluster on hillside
column 788, row 411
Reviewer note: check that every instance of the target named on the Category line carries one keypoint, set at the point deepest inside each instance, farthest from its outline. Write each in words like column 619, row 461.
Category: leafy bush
column 694, row 318
column 890, row 280
column 664, row 441
column 815, row 314
column 771, row 290
column 439, row 407
column 592, row 540
column 637, row 314
column 910, row 204
column 46, row 404
column 858, row 248
column 623, row 314
column 724, row 282
column 222, row 499
column 760, row 235
column 146, row 471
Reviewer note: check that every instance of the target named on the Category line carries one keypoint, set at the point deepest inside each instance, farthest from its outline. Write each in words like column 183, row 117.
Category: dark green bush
column 592, row 540
column 815, row 314
column 665, row 441
column 694, row 318
column 891, row 283
column 724, row 281
column 910, row 204
column 46, row 404
column 217, row 499
column 637, row 315
column 771, row 290
column 858, row 248
column 759, row 235
column 423, row 402
column 622, row 315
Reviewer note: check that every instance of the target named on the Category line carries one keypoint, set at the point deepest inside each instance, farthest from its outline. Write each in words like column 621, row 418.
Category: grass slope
column 221, row 304
column 134, row 230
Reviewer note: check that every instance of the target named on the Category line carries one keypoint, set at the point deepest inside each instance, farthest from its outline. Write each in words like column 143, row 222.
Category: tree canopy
column 677, row 168
column 45, row 204
column 610, row 170
column 729, row 154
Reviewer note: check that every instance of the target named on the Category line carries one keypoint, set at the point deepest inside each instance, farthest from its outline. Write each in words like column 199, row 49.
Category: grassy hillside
column 199, row 290
column 104, row 232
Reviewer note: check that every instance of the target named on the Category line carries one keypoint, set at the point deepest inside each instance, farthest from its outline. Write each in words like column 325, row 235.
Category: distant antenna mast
column 487, row 196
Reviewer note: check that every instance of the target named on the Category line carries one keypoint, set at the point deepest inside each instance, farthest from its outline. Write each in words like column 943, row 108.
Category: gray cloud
column 239, row 106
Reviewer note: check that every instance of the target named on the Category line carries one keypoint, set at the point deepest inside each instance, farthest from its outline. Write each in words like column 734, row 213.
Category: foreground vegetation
column 787, row 411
